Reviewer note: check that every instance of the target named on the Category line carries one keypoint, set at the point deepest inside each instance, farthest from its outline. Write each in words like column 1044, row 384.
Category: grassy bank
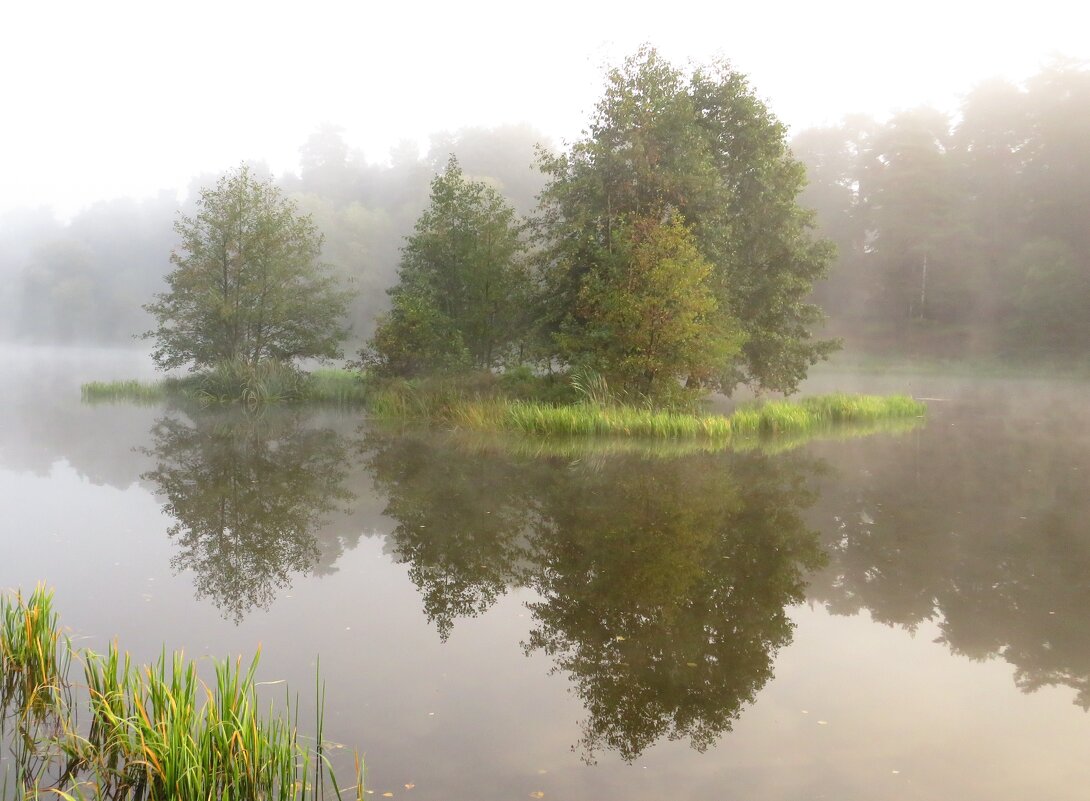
column 153, row 732
column 586, row 419
column 520, row 403
column 223, row 386
column 577, row 448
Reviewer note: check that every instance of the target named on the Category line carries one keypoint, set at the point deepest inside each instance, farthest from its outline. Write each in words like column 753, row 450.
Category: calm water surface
column 898, row 616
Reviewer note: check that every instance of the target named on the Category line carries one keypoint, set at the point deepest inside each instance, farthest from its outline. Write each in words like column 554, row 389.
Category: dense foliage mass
column 962, row 237
column 247, row 284
column 462, row 291
column 703, row 152
column 669, row 251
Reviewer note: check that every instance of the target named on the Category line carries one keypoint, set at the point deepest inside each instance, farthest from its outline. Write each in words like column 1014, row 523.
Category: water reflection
column 247, row 494
column 986, row 535
column 662, row 584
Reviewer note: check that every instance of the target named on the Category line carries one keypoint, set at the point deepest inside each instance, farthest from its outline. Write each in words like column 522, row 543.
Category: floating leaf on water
column 387, row 795
column 409, row 786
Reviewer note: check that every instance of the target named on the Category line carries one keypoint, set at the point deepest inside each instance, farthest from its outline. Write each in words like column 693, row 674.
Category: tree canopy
column 461, row 294
column 703, row 147
column 247, row 284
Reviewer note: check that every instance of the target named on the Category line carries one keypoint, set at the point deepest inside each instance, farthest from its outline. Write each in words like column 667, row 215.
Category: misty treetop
column 247, row 283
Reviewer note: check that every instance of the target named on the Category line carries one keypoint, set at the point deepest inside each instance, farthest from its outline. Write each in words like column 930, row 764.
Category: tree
column 702, row 146
column 652, row 317
column 460, row 295
column 247, row 284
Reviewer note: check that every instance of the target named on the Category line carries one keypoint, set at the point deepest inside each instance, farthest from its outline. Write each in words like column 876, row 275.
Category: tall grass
column 155, row 732
column 237, row 382
column 335, row 386
column 140, row 392
column 32, row 659
column 758, row 420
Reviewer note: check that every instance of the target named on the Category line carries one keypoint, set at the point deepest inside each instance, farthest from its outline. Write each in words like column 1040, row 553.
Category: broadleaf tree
column 653, row 319
column 247, row 283
column 704, row 146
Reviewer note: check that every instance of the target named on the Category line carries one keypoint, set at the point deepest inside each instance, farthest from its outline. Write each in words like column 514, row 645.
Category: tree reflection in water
column 662, row 583
column 247, row 494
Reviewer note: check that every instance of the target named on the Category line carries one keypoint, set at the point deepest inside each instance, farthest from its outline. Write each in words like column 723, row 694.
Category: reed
column 758, row 420
column 335, row 386
column 33, row 656
column 156, row 732
column 139, row 392
column 233, row 382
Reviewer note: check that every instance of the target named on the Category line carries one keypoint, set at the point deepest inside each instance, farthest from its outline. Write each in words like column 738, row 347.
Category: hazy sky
column 106, row 98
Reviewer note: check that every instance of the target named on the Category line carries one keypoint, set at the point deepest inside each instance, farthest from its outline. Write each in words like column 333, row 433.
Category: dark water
column 889, row 617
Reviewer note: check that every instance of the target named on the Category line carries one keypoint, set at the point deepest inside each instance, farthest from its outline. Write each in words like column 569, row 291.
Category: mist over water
column 630, row 624
column 897, row 612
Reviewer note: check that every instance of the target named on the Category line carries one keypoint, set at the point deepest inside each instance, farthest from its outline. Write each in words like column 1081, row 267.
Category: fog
column 904, row 119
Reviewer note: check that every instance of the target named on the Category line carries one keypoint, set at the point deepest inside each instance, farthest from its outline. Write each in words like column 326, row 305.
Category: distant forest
column 961, row 237
column 957, row 236
column 86, row 281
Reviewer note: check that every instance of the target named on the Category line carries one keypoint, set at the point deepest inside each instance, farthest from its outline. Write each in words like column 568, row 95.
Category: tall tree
column 247, row 283
column 704, row 146
column 462, row 287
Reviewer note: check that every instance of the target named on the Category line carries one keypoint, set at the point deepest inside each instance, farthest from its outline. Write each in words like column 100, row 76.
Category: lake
column 895, row 616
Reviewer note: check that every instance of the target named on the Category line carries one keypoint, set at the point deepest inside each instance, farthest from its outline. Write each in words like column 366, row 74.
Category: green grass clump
column 822, row 411
column 267, row 383
column 141, row 392
column 31, row 655
column 335, row 386
column 155, row 732
column 775, row 418
column 151, row 735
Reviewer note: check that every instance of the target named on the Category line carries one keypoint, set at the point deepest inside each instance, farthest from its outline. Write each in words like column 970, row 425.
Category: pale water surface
column 886, row 617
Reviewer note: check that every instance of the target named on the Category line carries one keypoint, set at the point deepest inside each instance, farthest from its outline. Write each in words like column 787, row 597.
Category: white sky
column 104, row 98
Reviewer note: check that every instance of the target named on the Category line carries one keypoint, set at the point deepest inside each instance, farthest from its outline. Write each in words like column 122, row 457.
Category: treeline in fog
column 957, row 235
column 86, row 280
column 964, row 235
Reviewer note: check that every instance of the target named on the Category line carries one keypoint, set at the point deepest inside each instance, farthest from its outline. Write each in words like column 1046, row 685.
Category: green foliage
column 652, row 318
column 461, row 293
column 251, row 383
column 254, row 386
column 701, row 146
column 32, row 653
column 247, row 285
column 156, row 733
column 131, row 391
column 455, row 404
